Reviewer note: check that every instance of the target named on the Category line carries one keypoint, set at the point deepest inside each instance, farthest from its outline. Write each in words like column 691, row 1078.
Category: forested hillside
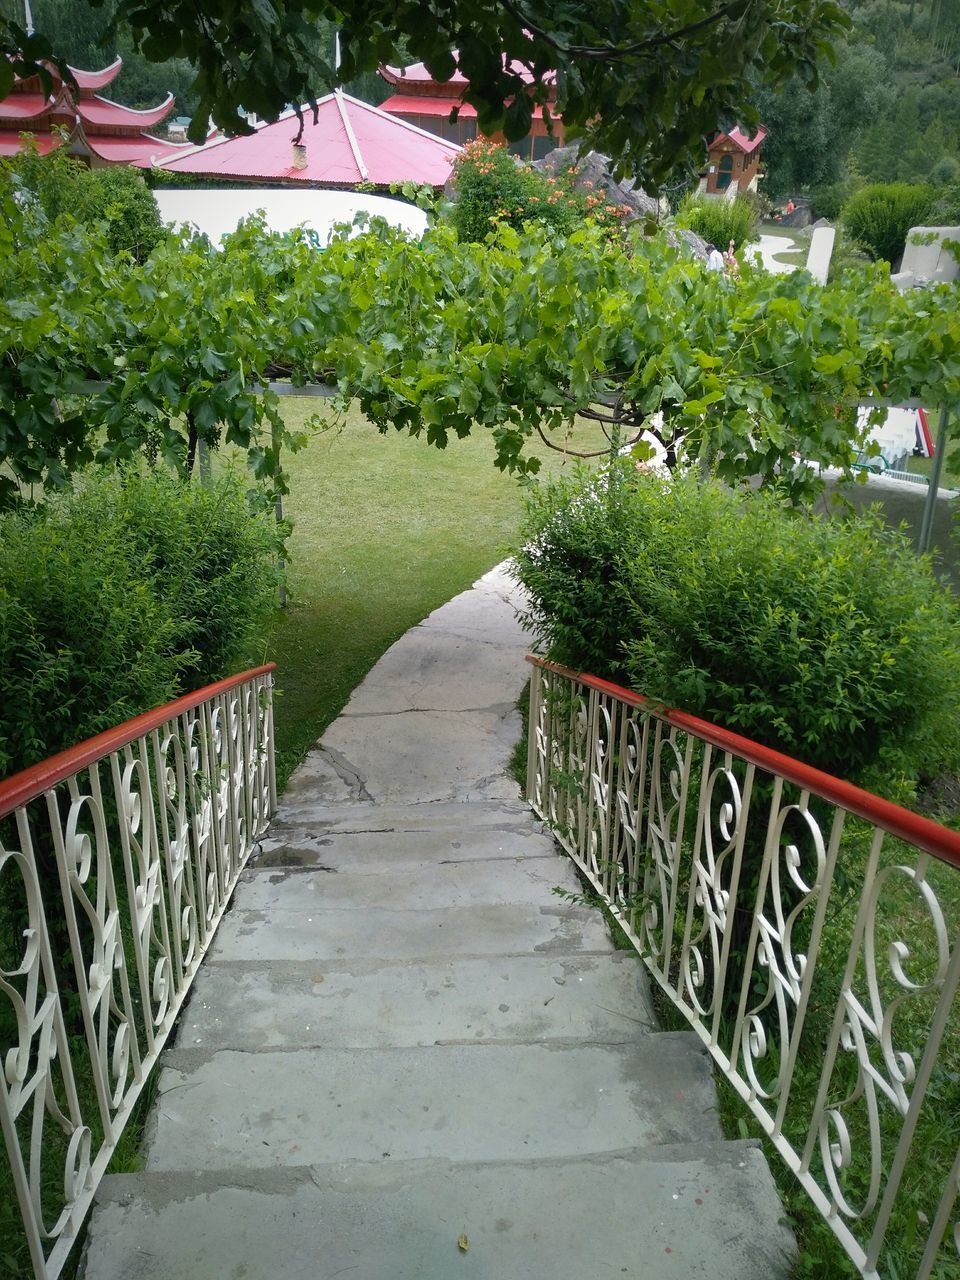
column 888, row 110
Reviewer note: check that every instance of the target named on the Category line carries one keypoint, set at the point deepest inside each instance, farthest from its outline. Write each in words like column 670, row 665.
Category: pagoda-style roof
column 10, row 143
column 740, row 140
column 350, row 142
column 91, row 81
column 102, row 114
column 96, row 127
column 416, row 79
column 418, row 93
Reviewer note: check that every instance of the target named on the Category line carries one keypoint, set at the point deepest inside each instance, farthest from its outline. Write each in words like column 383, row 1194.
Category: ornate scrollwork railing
column 117, row 860
column 808, row 931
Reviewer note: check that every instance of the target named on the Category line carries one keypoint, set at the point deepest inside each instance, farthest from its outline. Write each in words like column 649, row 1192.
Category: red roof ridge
column 407, row 124
column 419, row 74
column 340, row 100
column 166, row 104
column 97, row 79
column 741, row 140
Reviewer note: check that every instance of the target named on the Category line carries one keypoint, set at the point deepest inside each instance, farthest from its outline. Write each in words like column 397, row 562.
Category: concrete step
column 419, row 756
column 390, row 848
column 366, row 1004
column 459, row 884
column 456, row 932
column 635, row 1215
column 229, row 1109
column 302, row 811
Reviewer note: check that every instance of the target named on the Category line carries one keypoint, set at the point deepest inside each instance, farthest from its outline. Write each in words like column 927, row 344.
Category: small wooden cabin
column 733, row 158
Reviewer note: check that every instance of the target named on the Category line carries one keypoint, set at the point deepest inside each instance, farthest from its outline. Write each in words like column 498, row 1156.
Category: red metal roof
column 25, row 106
column 417, row 75
column 142, row 151
column 407, row 104
column 403, row 104
column 93, row 80
column 740, row 139
column 351, row 142
column 102, row 113
column 112, row 131
column 11, row 143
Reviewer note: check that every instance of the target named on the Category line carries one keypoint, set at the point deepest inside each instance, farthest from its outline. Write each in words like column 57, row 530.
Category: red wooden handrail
column 911, row 827
column 30, row 783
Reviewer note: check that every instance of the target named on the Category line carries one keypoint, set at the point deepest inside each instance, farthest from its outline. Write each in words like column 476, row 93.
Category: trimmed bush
column 719, row 221
column 824, row 638
column 880, row 215
column 119, row 594
column 120, row 197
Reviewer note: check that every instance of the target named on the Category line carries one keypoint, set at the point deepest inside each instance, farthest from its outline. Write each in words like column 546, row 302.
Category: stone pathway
column 767, row 248
column 406, row 1058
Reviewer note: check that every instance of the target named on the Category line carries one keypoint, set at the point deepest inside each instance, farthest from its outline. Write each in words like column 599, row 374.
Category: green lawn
column 386, row 528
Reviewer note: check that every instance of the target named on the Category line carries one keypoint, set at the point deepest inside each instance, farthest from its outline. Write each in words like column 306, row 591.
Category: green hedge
column 824, row 638
column 118, row 595
column 879, row 216
column 719, row 221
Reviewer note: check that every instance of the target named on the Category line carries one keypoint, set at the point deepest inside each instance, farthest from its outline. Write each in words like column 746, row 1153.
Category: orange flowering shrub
column 492, row 188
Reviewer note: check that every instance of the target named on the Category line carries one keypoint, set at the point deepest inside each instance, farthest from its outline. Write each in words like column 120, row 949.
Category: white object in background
column 902, row 433
column 216, row 213
column 927, row 258
column 821, row 251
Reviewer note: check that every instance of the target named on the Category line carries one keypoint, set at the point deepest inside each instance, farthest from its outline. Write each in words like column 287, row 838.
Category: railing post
column 533, row 740
column 948, row 990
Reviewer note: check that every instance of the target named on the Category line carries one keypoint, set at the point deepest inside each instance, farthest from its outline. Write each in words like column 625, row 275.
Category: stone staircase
column 406, row 1058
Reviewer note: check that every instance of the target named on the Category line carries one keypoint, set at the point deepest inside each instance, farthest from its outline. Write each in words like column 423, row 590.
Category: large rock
column 800, row 217
column 593, row 173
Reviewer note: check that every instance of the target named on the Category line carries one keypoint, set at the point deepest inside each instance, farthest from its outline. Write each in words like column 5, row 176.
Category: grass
column 385, row 529
column 950, row 475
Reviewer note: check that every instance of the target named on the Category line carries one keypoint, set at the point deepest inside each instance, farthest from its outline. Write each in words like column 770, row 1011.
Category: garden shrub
column 847, row 256
column 879, row 216
column 120, row 197
column 119, row 594
column 492, row 189
column 946, row 211
column 828, row 200
column 824, row 638
column 116, row 196
column 719, row 221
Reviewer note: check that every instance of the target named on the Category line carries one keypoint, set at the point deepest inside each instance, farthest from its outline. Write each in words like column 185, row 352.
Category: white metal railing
column 117, row 860
column 808, row 931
